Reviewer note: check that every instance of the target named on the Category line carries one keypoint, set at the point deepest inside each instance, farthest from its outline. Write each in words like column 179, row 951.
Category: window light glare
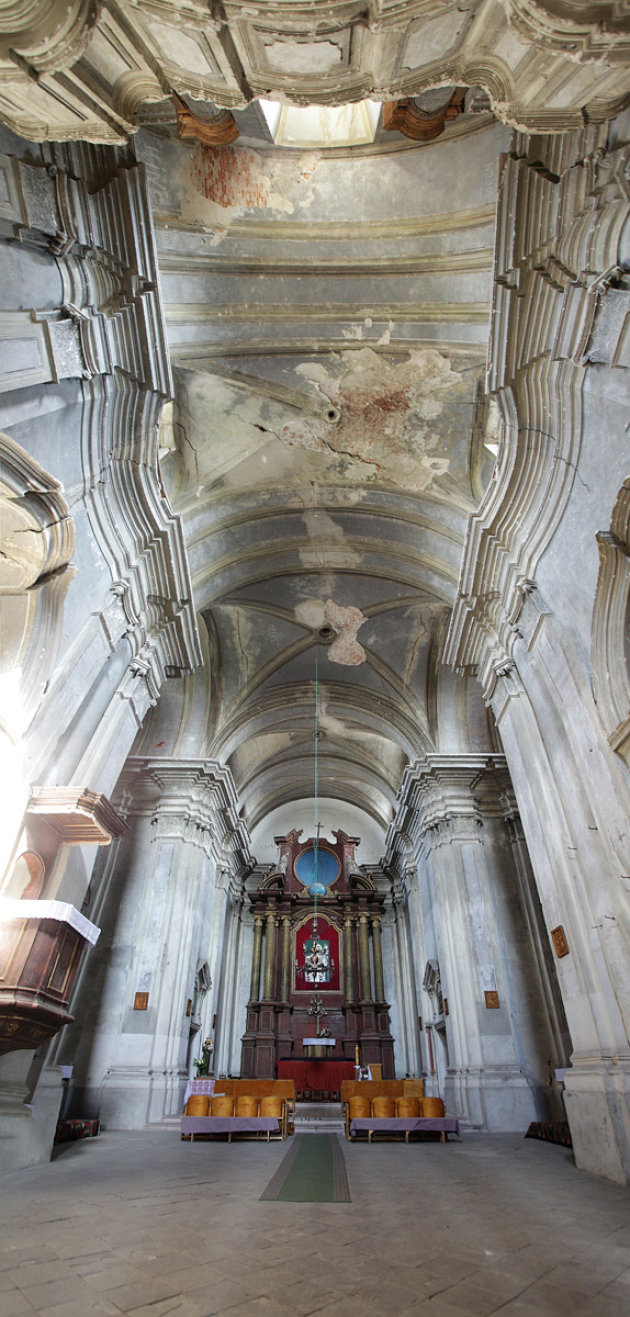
column 322, row 125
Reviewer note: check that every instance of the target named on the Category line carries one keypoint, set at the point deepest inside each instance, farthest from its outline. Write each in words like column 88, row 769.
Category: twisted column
column 254, row 987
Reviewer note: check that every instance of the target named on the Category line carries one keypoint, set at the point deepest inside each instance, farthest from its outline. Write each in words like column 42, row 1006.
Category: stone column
column 270, row 947
column 348, row 958
column 364, row 958
column 254, row 989
column 379, row 987
column 285, row 982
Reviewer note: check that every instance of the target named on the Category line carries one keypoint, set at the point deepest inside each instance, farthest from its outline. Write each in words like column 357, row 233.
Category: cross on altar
column 317, row 1011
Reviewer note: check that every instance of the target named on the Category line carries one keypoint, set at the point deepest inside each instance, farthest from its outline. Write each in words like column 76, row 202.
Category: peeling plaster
column 382, row 409
column 234, row 179
column 223, row 181
column 334, row 726
column 345, row 622
column 327, row 542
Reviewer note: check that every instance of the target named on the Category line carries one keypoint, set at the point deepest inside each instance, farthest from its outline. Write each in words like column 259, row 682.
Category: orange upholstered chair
column 198, row 1105
column 432, row 1107
column 384, row 1108
column 223, row 1105
column 271, row 1106
column 359, row 1108
column 246, row 1105
column 407, row 1108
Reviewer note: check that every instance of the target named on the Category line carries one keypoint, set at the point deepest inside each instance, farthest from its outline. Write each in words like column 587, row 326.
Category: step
column 318, row 1118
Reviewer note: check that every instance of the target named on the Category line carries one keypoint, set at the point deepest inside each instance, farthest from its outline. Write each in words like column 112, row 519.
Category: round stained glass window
column 317, row 869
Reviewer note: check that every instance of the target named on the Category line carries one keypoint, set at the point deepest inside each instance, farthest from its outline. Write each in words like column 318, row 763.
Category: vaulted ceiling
column 327, row 318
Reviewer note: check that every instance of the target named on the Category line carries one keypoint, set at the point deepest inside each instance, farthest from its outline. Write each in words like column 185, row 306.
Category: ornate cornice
column 585, row 30
column 46, row 35
column 81, row 70
column 548, row 281
column 196, row 792
column 80, row 817
column 446, row 796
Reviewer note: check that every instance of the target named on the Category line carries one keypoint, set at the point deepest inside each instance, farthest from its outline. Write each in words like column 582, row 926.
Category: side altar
column 317, row 966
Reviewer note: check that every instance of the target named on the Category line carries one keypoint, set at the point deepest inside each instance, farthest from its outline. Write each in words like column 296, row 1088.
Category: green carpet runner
column 313, row 1171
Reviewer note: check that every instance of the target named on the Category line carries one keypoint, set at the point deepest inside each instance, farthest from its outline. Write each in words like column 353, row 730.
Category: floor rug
column 552, row 1132
column 313, row 1171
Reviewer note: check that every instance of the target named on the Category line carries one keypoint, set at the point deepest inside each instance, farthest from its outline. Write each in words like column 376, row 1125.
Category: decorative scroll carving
column 405, row 116
column 47, row 36
column 192, row 797
column 545, row 298
column 584, row 31
column 220, row 130
column 611, row 678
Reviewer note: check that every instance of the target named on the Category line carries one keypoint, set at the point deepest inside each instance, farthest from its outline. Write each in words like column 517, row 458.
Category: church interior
column 315, row 566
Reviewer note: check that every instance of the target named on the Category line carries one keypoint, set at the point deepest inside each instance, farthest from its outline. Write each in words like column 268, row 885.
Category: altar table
column 316, row 1076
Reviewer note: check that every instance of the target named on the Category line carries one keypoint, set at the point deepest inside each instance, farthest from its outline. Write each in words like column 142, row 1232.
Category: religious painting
column 316, row 960
column 317, row 956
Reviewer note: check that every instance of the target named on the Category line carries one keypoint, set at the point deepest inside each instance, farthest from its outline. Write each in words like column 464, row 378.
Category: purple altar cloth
column 417, row 1125
column 229, row 1124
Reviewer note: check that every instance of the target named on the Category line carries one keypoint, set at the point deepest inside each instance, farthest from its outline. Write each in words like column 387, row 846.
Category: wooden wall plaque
column 560, row 944
column 141, row 1001
column 492, row 1000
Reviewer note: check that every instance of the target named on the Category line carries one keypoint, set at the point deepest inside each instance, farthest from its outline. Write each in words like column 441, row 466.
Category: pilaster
column 496, row 1067
column 166, row 888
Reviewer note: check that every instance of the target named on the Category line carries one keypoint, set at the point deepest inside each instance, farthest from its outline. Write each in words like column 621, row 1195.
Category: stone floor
column 141, row 1223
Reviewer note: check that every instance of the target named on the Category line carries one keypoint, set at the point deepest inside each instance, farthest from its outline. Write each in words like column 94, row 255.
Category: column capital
column 447, row 796
column 199, row 792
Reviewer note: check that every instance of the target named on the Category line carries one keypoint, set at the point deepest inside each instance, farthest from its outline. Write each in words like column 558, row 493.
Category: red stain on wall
column 232, row 177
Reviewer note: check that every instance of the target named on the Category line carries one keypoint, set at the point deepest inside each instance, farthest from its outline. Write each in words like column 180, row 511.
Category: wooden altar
column 317, row 964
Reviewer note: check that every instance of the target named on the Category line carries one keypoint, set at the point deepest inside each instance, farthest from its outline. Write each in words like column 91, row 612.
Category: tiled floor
column 147, row 1225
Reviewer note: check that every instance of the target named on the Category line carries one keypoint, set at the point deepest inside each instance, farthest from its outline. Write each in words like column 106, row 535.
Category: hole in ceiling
column 332, row 415
column 326, row 633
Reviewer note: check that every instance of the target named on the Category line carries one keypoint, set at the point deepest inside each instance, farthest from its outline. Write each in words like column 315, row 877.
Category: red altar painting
column 328, row 940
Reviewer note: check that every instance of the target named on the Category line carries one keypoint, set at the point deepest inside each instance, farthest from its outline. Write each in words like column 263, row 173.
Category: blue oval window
column 317, row 869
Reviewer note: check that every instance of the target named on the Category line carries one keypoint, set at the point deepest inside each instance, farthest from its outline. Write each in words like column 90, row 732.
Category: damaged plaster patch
column 384, row 409
column 303, row 56
column 223, row 181
column 345, row 623
column 325, row 535
column 233, row 178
